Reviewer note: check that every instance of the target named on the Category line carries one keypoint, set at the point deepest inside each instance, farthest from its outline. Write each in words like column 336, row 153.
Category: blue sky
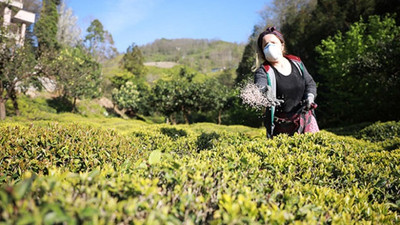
column 143, row 21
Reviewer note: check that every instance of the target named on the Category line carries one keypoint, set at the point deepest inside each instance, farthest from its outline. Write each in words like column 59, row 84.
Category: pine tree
column 46, row 26
column 99, row 42
column 133, row 61
column 246, row 65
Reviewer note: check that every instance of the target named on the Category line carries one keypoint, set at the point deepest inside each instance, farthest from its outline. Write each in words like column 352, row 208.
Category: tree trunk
column 219, row 116
column 2, row 109
column 13, row 97
column 120, row 112
column 2, row 102
column 185, row 115
column 173, row 120
column 73, row 105
column 167, row 120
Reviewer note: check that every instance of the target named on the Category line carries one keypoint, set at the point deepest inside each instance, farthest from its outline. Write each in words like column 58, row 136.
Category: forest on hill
column 201, row 54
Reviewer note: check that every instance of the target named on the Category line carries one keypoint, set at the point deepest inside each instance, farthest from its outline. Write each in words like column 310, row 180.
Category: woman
column 289, row 81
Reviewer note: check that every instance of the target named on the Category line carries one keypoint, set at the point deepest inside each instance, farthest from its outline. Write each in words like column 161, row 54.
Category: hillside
column 201, row 54
column 166, row 56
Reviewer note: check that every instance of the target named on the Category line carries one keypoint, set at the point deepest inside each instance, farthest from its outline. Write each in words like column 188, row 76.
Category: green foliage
column 217, row 98
column 99, row 42
column 227, row 78
column 348, row 130
column 163, row 97
column 31, row 108
column 305, row 24
column 380, row 131
column 127, row 97
column 90, row 108
column 238, row 113
column 73, row 146
column 205, row 98
column 133, row 60
column 192, row 96
column 17, row 67
column 383, row 7
column 46, row 26
column 60, row 104
column 173, row 133
column 44, row 108
column 78, row 74
column 121, row 77
column 95, row 33
column 89, row 113
column 180, row 94
column 245, row 69
column 69, row 173
column 207, row 140
column 360, row 72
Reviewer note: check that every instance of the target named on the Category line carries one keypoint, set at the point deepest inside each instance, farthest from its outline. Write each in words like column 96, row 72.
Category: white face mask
column 272, row 52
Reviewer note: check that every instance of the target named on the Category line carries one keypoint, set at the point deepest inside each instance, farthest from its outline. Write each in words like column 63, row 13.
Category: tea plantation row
column 157, row 174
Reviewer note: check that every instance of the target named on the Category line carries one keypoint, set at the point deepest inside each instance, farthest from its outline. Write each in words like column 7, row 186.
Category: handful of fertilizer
column 257, row 97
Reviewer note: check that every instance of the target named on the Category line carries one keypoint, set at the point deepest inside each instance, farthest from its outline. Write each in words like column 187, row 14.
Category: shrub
column 73, row 147
column 69, row 173
column 207, row 140
column 380, row 131
column 173, row 132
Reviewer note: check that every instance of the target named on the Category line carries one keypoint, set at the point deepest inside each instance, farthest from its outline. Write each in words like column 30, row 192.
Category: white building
column 15, row 19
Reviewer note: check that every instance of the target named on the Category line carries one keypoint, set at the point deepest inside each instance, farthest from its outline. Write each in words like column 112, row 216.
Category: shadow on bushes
column 207, row 141
column 60, row 104
column 380, row 131
column 347, row 130
column 173, row 133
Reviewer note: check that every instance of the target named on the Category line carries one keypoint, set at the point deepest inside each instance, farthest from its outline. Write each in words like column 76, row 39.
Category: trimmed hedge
column 75, row 147
column 69, row 173
column 380, row 131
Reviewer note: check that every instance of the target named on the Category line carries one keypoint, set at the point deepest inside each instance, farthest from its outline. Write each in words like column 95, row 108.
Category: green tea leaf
column 155, row 157
column 22, row 188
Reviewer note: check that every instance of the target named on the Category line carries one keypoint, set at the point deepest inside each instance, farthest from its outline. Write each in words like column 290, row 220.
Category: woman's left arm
column 311, row 87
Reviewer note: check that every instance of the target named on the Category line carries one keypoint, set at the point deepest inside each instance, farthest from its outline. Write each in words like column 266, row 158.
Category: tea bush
column 173, row 132
column 75, row 147
column 380, row 131
column 207, row 140
column 83, row 174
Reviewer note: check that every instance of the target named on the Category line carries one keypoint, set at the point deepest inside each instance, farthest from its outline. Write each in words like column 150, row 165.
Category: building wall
column 15, row 19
